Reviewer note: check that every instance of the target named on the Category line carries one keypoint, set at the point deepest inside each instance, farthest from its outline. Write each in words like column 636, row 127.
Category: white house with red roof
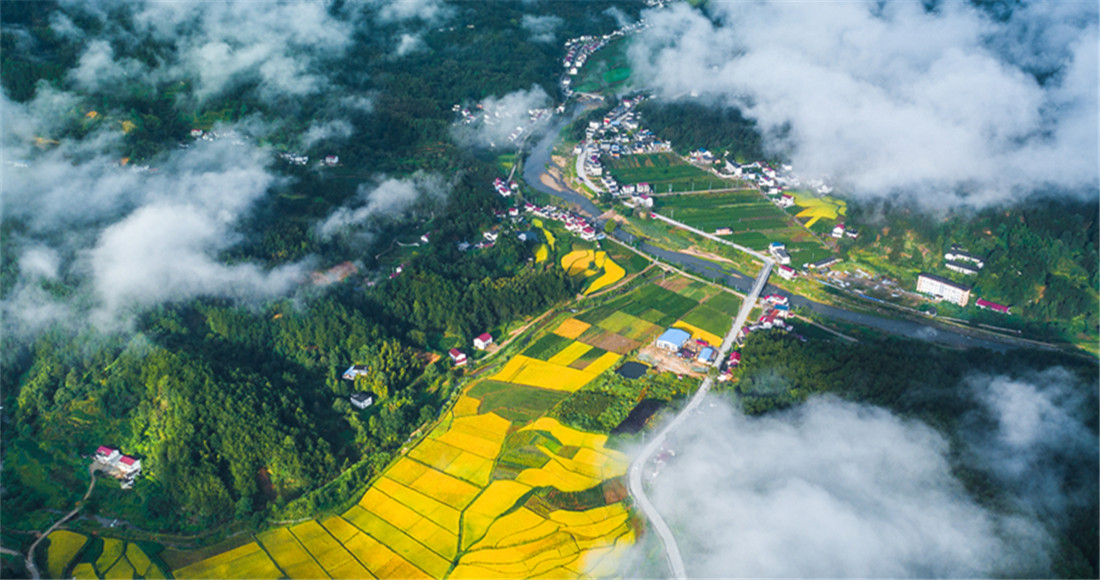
column 483, row 341
column 107, row 454
column 786, row 272
column 985, row 304
column 128, row 465
column 457, row 357
column 838, row 231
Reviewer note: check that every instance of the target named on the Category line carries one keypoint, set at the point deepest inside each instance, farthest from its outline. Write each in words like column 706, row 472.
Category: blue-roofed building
column 706, row 356
column 673, row 339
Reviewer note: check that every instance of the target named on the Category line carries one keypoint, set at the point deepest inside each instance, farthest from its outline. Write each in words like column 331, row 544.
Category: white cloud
column 542, row 28
column 831, row 489
column 391, row 196
column 500, row 117
column 329, row 130
column 891, row 97
column 427, row 11
column 407, row 44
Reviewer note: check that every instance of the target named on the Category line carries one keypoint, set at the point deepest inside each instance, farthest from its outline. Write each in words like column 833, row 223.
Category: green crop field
column 725, row 302
column 663, row 171
column 515, row 402
column 709, row 319
column 547, row 346
column 608, row 68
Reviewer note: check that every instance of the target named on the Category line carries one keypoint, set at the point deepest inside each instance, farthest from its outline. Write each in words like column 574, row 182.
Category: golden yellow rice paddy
column 446, row 516
column 612, row 274
column 569, row 354
column 536, row 373
column 606, row 361
column 247, row 561
column 572, row 328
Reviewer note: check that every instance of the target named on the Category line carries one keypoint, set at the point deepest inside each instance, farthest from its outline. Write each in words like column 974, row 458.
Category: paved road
column 637, row 489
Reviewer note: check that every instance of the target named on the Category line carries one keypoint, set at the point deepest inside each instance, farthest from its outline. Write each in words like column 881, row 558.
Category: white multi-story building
column 943, row 288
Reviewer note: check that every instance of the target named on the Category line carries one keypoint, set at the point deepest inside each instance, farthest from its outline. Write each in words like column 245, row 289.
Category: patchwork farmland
column 752, row 220
column 664, row 172
column 499, row 487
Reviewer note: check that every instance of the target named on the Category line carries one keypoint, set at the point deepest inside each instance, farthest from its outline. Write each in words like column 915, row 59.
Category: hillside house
column 361, row 400
column 838, row 231
column 332, row 160
column 785, row 200
column 483, row 341
column 457, row 357
column 822, row 264
column 107, row 454
column 355, row 370
column 129, row 466
column 957, row 255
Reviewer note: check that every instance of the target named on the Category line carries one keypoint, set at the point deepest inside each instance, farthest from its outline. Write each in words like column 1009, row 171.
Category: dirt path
column 31, row 566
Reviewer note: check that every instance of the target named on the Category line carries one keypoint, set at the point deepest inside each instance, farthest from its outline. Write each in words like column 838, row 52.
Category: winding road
column 29, row 562
column 637, row 487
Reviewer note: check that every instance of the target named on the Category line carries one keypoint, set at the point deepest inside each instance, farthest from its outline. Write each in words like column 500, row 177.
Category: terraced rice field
column 497, row 488
column 815, row 208
column 447, row 507
column 665, row 172
column 116, row 558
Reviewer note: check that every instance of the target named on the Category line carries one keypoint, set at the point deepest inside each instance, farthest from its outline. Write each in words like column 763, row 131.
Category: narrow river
column 536, row 162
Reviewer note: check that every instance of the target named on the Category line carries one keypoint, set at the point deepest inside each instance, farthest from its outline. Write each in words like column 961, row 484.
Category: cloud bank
column 390, row 196
column 837, row 489
column 949, row 105
column 501, row 120
column 122, row 237
column 542, row 28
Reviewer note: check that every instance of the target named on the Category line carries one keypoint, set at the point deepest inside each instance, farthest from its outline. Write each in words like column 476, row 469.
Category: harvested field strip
column 603, row 363
column 64, row 546
column 569, row 354
column 442, row 514
column 247, row 561
column 410, row 550
column 697, row 332
column 340, row 528
column 571, row 328
column 610, row 341
column 536, row 373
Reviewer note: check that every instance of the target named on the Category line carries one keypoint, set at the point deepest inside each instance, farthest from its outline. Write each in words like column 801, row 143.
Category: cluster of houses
column 505, row 188
column 493, row 117
column 122, row 467
column 574, row 223
column 840, row 231
column 678, row 340
column 578, row 50
column 776, row 312
column 618, row 134
column 962, row 262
